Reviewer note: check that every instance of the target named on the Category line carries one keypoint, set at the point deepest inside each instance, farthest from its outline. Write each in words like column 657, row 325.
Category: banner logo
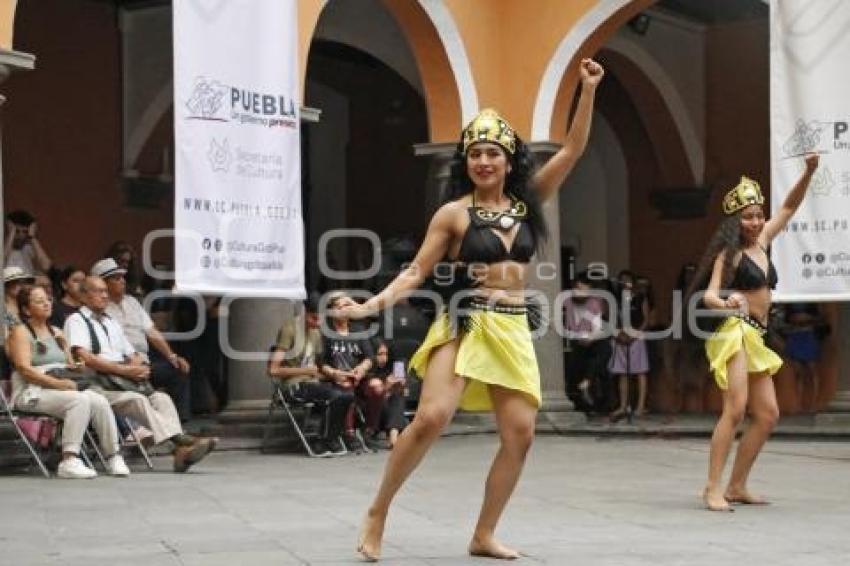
column 219, row 156
column 207, row 100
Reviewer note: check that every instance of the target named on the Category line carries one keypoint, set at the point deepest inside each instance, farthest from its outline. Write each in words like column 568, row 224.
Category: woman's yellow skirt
column 732, row 335
column 495, row 349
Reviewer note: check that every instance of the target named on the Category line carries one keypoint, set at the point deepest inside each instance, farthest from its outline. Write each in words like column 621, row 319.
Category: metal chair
column 38, row 432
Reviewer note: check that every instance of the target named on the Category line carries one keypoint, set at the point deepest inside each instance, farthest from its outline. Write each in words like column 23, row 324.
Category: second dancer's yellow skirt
column 732, row 335
column 495, row 350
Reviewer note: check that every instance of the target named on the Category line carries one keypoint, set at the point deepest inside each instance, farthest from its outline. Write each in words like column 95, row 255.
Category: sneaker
column 336, row 446
column 75, row 469
column 320, row 449
column 116, row 466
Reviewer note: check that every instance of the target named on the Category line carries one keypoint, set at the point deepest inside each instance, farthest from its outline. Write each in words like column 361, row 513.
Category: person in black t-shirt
column 346, row 360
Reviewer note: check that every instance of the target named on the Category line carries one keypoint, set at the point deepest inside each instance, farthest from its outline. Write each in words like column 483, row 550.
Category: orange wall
column 308, row 15
column 508, row 70
column 7, row 22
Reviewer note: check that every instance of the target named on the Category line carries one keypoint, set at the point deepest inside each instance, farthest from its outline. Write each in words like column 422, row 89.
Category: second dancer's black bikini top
column 749, row 276
column 481, row 244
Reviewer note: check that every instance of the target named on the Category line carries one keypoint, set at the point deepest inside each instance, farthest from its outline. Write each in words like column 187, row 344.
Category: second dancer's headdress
column 744, row 194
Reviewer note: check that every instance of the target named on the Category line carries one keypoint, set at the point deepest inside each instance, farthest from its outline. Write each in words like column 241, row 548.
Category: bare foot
column 744, row 497
column 491, row 548
column 371, row 533
column 714, row 500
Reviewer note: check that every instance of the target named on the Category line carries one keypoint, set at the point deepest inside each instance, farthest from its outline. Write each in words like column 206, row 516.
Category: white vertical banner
column 238, row 221
column 810, row 111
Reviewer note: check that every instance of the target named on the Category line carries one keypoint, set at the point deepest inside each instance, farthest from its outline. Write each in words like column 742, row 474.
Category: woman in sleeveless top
column 488, row 229
column 740, row 284
column 35, row 348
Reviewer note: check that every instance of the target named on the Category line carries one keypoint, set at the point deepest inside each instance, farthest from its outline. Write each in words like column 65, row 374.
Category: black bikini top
column 481, row 243
column 749, row 276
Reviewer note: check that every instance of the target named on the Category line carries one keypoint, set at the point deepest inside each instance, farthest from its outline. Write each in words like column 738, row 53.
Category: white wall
column 594, row 202
column 679, row 46
column 147, row 61
column 328, row 167
column 366, row 25
column 672, row 55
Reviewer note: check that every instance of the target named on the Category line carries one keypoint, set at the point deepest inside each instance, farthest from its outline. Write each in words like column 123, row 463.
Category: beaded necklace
column 501, row 219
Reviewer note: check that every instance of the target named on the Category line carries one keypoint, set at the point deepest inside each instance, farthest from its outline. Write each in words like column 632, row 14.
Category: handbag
column 112, row 382
column 121, row 383
column 84, row 377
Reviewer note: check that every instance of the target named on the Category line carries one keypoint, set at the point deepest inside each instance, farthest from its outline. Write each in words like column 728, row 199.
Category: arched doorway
column 360, row 168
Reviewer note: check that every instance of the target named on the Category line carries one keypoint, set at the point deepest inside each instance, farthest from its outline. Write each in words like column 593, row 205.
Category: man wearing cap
column 13, row 279
column 99, row 341
column 168, row 370
column 295, row 362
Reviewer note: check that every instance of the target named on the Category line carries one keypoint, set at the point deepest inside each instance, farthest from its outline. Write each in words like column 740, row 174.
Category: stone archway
column 438, row 49
column 554, row 97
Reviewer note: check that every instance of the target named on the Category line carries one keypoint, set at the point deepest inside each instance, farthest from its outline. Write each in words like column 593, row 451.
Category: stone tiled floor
column 582, row 501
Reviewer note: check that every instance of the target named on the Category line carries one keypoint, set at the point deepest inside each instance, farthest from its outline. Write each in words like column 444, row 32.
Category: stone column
column 546, row 277
column 838, row 410
column 248, row 327
column 10, row 61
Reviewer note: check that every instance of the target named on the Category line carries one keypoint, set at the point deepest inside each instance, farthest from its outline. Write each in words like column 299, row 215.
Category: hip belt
column 761, row 328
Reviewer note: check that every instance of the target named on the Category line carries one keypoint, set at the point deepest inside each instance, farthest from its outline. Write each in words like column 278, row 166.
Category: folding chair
column 39, row 432
column 313, row 415
column 19, row 426
column 309, row 419
column 126, row 428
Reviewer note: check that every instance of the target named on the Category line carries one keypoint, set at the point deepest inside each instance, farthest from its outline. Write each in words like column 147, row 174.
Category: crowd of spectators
column 80, row 347
column 358, row 378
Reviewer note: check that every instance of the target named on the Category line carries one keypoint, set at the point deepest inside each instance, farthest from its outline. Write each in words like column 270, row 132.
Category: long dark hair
column 516, row 183
column 726, row 240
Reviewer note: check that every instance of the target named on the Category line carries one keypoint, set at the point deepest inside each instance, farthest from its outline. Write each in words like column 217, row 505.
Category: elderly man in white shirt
column 99, row 341
column 169, row 371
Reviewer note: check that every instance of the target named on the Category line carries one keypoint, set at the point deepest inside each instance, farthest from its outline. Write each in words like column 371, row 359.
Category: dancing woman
column 492, row 220
column 742, row 277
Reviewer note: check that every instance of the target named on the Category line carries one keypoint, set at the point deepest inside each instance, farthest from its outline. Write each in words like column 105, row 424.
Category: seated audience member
column 169, row 371
column 14, row 279
column 346, row 361
column 99, row 341
column 392, row 418
column 126, row 258
column 299, row 370
column 22, row 248
column 35, row 348
column 70, row 280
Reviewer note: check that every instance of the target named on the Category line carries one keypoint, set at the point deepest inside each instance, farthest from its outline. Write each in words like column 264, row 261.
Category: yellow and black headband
column 488, row 126
column 747, row 192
